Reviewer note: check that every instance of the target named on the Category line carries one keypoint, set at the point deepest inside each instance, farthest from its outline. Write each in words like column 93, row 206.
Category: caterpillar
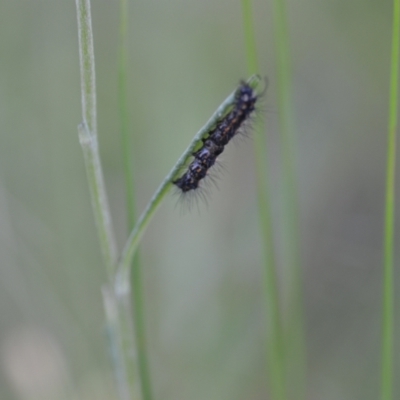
column 214, row 143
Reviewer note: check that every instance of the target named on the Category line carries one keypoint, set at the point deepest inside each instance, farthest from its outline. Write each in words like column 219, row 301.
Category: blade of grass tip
column 276, row 362
column 388, row 308
column 295, row 342
column 136, row 300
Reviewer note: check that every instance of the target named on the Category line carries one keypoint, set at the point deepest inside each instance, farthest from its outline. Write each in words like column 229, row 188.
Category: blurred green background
column 202, row 270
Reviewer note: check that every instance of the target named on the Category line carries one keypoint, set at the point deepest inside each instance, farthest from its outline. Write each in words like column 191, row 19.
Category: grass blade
column 388, row 309
column 275, row 357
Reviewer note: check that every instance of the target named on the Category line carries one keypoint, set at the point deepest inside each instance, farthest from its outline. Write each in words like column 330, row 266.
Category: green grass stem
column 295, row 336
column 88, row 138
column 120, row 337
column 125, row 128
column 249, row 37
column 122, row 286
column 119, row 320
column 388, row 307
column 134, row 238
column 136, row 304
column 275, row 357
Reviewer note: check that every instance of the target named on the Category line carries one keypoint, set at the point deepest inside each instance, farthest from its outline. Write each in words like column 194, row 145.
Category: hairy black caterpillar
column 213, row 145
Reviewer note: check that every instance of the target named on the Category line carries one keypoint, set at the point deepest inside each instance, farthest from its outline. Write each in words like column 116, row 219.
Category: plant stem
column 124, row 114
column 140, row 331
column 250, row 37
column 387, row 323
column 276, row 362
column 135, row 301
column 122, row 281
column 134, row 238
column 121, row 345
column 296, row 336
column 118, row 318
column 88, row 138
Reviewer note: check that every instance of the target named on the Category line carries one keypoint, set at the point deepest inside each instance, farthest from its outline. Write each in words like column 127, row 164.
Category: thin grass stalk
column 140, row 331
column 129, row 250
column 116, row 344
column 388, row 295
column 133, row 301
column 88, row 138
column 119, row 322
column 275, row 356
column 125, row 126
column 122, row 285
column 295, row 336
